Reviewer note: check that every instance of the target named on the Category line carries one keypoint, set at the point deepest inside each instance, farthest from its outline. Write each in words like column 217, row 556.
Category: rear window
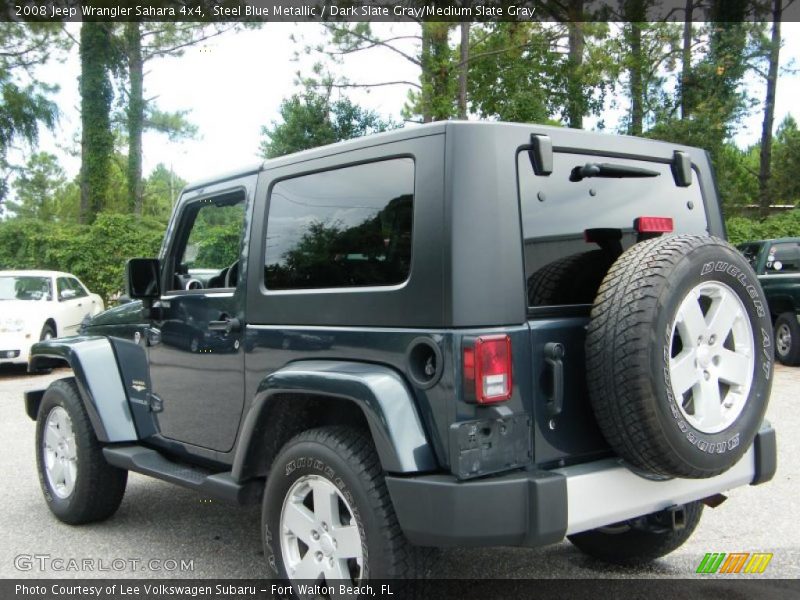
column 784, row 257
column 348, row 227
column 559, row 215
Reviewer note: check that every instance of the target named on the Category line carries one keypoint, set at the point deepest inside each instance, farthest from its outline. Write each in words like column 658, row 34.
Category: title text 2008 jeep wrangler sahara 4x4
column 457, row 334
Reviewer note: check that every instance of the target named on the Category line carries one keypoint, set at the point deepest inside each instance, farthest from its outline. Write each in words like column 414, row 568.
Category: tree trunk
column 765, row 166
column 463, row 71
column 425, row 59
column 97, row 141
column 576, row 103
column 636, row 125
column 635, row 13
column 133, row 42
column 686, row 70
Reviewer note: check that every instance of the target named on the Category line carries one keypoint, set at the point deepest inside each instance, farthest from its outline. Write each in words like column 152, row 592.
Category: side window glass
column 348, row 227
column 64, row 289
column 210, row 251
column 80, row 292
column 783, row 258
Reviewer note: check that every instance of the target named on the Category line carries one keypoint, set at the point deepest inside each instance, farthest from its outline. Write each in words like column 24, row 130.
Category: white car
column 39, row 305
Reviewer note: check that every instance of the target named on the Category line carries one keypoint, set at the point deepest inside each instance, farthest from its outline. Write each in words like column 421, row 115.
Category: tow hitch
column 670, row 519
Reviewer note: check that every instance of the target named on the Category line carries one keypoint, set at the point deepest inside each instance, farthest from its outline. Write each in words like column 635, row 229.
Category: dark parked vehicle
column 460, row 334
column 777, row 263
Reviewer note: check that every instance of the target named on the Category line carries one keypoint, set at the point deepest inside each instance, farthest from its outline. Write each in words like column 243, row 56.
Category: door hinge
column 156, row 404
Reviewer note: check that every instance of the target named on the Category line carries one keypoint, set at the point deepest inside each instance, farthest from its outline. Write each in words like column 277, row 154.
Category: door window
column 80, row 291
column 211, row 243
column 65, row 290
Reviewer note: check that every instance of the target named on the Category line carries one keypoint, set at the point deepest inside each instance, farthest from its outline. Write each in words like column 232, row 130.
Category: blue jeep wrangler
column 460, row 334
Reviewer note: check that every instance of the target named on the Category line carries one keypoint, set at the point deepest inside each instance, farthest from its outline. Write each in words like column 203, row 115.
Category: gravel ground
column 163, row 522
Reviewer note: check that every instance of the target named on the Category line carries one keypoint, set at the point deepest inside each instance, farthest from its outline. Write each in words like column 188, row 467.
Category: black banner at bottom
column 712, row 588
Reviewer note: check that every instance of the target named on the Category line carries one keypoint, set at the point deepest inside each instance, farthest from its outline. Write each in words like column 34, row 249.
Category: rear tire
column 787, row 339
column 327, row 512
column 629, row 545
column 78, row 484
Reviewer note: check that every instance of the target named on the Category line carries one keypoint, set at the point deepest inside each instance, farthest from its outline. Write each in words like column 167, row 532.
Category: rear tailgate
column 573, row 230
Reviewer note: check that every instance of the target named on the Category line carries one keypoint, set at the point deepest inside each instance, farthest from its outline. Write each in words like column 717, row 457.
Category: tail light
column 653, row 225
column 487, row 369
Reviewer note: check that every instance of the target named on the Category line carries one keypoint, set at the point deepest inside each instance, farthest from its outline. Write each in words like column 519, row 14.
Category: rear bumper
column 534, row 508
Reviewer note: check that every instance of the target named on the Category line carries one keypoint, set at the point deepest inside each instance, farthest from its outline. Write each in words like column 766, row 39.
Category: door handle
column 80, row 303
column 553, row 355
column 226, row 324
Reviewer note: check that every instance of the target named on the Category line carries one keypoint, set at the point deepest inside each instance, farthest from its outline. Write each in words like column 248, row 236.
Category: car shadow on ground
column 9, row 371
column 13, row 371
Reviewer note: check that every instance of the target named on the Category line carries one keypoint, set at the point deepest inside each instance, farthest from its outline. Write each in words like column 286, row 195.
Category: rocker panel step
column 151, row 462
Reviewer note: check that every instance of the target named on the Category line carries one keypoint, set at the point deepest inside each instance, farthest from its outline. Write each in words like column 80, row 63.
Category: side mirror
column 67, row 294
column 143, row 278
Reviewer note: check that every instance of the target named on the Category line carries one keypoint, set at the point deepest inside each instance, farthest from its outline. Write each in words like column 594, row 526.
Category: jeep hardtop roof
column 490, row 132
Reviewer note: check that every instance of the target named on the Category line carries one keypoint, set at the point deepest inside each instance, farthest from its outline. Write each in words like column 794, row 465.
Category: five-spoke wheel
column 78, row 484
column 60, row 456
column 712, row 357
column 327, row 515
column 319, row 534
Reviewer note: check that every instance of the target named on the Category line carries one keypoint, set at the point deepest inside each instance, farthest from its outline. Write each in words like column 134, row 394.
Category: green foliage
column 161, row 190
column 742, row 229
column 96, row 253
column 175, row 125
column 736, row 176
column 24, row 107
column 97, row 139
column 435, row 99
column 646, row 52
column 703, row 130
column 139, row 43
column 37, row 188
column 312, row 119
column 785, row 183
column 501, row 82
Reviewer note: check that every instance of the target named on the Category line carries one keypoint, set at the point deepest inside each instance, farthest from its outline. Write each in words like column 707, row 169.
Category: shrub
column 95, row 253
column 786, row 224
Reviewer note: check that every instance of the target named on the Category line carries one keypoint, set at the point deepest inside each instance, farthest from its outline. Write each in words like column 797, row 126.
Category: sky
column 233, row 85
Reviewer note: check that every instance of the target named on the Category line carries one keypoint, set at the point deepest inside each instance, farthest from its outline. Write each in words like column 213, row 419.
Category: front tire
column 787, row 339
column 327, row 514
column 78, row 484
column 636, row 542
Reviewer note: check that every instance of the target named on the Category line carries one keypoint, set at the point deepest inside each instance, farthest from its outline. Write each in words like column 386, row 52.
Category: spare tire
column 679, row 356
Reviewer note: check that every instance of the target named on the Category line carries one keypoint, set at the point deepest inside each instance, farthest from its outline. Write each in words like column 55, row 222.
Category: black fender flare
column 378, row 391
column 96, row 372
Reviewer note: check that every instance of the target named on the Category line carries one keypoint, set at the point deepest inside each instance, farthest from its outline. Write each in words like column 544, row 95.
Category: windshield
column 25, row 287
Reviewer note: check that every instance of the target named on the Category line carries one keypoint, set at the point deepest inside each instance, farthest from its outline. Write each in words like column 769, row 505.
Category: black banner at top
column 398, row 10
